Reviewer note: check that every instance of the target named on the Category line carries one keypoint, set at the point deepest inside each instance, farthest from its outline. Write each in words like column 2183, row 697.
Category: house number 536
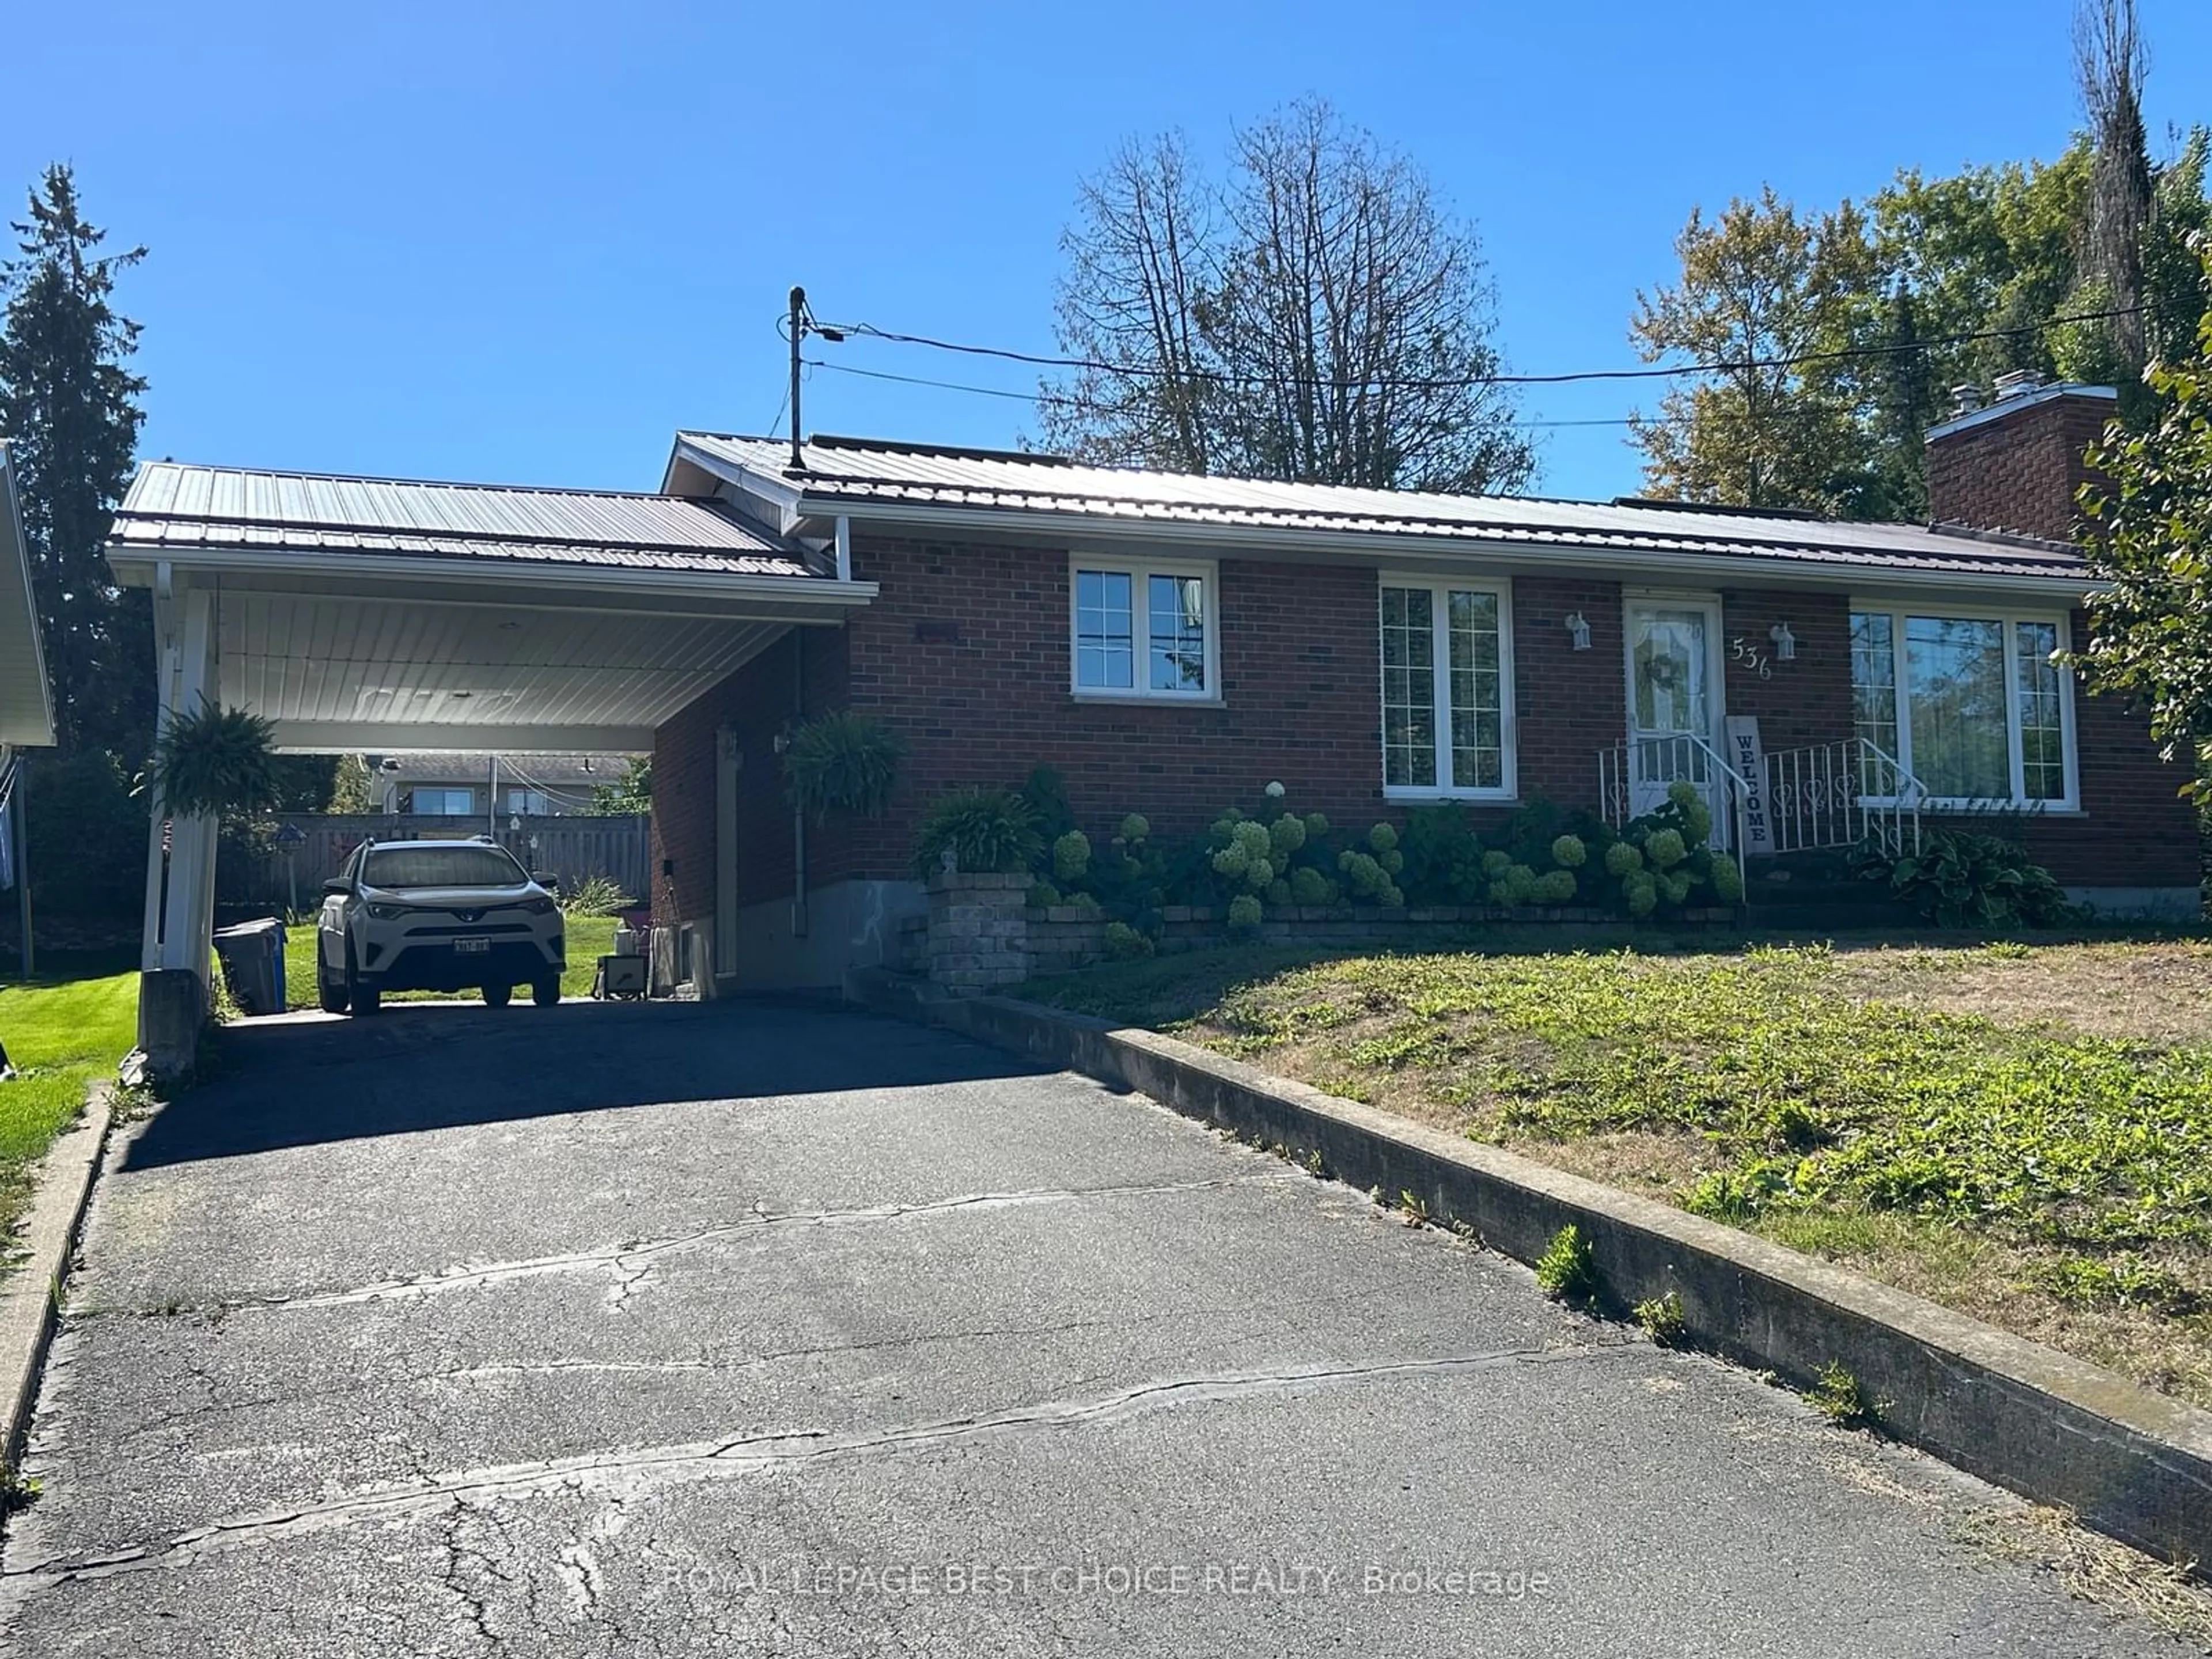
column 1743, row 651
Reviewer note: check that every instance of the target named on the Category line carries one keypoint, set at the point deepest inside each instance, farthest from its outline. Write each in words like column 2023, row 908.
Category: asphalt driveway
column 771, row 1330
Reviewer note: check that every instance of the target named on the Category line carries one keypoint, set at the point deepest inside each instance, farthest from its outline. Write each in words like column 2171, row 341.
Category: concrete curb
column 30, row 1296
column 2056, row 1430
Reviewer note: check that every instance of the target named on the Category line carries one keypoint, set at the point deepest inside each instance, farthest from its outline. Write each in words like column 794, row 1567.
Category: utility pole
column 20, row 806
column 797, row 338
column 491, row 800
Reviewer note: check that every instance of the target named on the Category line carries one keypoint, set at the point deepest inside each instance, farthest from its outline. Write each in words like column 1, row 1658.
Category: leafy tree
column 350, row 786
column 1318, row 316
column 68, row 406
column 2148, row 534
column 1761, row 289
column 630, row 792
column 2109, row 60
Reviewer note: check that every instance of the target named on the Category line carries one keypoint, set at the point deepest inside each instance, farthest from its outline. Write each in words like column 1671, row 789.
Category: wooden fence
column 618, row 848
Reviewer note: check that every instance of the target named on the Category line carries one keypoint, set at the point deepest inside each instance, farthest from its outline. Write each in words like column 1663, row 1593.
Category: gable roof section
column 26, row 711
column 842, row 474
column 171, row 506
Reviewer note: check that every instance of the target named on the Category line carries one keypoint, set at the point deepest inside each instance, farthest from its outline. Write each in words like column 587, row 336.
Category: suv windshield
column 441, row 866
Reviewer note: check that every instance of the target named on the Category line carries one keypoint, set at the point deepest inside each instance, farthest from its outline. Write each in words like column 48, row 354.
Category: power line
column 1059, row 401
column 1659, row 372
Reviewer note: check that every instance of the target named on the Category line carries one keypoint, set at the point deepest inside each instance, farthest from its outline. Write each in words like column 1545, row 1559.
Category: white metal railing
column 1633, row 778
column 1837, row 795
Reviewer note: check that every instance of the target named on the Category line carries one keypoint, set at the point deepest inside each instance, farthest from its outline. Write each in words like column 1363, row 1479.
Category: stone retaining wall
column 1063, row 937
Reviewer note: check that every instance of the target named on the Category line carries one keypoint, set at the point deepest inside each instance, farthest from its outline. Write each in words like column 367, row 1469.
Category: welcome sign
column 1749, row 759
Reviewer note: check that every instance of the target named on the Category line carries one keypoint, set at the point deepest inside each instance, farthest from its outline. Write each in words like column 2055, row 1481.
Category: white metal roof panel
column 174, row 505
column 857, row 470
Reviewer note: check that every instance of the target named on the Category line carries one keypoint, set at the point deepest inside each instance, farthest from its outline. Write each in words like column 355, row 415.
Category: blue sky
column 523, row 243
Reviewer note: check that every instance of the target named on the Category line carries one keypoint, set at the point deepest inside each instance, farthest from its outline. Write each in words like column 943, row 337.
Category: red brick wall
column 757, row 701
column 2017, row 470
column 1805, row 701
column 966, row 652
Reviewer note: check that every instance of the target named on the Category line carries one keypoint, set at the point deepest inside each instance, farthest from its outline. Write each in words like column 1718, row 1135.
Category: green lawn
column 590, row 938
column 63, row 1038
column 2024, row 1132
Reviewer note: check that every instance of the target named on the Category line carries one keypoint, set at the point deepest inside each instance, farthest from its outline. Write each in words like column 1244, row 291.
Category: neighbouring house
column 26, row 711
column 499, row 786
column 1171, row 645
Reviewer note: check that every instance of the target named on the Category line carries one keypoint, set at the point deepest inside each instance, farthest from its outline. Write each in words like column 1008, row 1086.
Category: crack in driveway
column 630, row 1263
column 637, row 1471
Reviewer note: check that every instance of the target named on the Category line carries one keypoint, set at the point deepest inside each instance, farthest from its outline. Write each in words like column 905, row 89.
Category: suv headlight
column 539, row 907
column 387, row 911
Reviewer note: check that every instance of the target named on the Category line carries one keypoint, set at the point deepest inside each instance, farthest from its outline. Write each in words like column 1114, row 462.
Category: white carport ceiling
column 351, row 673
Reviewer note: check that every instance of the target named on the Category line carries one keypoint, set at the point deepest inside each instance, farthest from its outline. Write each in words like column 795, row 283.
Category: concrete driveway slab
column 610, row 1330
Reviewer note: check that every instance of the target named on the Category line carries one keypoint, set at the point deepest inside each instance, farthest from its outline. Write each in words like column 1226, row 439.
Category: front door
column 1674, row 697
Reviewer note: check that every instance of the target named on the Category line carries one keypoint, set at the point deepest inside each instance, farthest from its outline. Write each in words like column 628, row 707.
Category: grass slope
column 2024, row 1133
column 63, row 1038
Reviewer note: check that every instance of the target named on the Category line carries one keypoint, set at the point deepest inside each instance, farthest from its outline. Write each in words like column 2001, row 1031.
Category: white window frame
column 444, row 792
column 1139, row 571
column 1441, row 589
column 518, row 799
column 2009, row 618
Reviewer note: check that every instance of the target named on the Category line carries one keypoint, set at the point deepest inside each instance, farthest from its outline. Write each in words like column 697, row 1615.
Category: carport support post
column 180, row 918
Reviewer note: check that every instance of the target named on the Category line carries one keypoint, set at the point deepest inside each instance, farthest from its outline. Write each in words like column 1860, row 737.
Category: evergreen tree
column 69, row 407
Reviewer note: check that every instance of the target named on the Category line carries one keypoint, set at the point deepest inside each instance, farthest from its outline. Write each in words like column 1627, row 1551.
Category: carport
column 365, row 614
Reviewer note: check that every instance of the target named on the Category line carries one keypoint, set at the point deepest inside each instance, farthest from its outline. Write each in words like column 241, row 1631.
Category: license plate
column 471, row 947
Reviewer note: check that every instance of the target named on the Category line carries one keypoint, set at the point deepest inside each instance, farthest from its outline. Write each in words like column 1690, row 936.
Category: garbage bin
column 252, row 958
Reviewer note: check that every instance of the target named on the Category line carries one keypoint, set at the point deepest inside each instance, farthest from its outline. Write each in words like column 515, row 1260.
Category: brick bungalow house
column 1172, row 643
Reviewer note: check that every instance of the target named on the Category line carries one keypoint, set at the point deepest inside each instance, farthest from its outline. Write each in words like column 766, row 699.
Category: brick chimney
column 2015, row 463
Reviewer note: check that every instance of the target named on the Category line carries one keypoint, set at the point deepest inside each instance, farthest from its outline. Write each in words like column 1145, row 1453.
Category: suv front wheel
column 546, row 992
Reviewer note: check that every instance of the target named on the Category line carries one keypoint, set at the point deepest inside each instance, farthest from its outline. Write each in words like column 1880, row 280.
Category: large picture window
column 1972, row 706
column 1142, row 631
column 1447, row 690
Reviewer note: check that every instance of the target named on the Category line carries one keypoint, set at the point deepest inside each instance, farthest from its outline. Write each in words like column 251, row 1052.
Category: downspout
column 798, row 812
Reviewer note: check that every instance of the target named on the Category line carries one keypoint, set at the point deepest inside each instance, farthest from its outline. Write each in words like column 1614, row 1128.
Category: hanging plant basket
column 215, row 762
column 843, row 762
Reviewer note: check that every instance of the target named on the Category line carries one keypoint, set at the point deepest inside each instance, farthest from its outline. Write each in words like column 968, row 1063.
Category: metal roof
column 171, row 505
column 842, row 471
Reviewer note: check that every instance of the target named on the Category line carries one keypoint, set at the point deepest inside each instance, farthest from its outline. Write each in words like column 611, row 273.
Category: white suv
column 435, row 915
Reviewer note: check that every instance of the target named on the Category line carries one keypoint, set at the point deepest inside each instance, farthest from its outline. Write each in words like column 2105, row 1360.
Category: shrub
column 1666, row 849
column 1244, row 913
column 88, row 838
column 594, row 895
column 1071, row 855
column 1623, row 860
column 1042, row 896
column 1287, row 834
column 1046, row 791
column 1135, row 828
column 1960, row 878
column 1316, row 825
column 1309, row 886
column 1642, row 894
column 1727, row 882
column 1516, row 885
column 843, row 761
column 1568, row 1267
column 985, row 829
column 1124, row 943
column 1365, row 874
column 1556, row 887
column 1569, row 853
